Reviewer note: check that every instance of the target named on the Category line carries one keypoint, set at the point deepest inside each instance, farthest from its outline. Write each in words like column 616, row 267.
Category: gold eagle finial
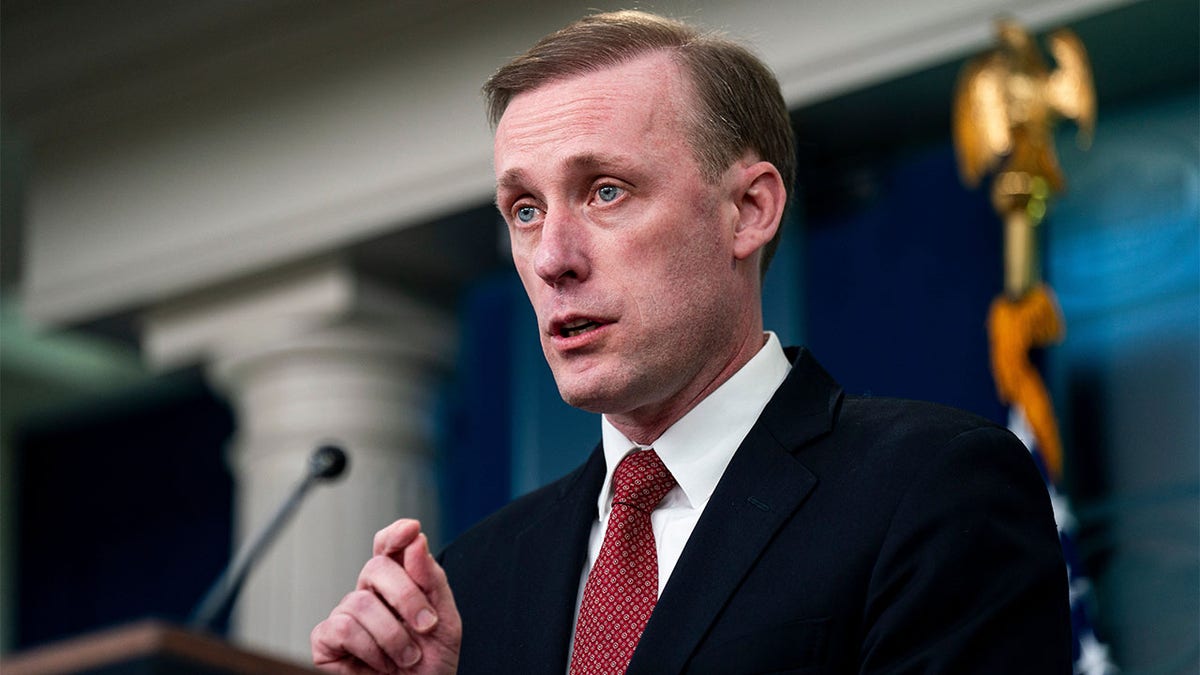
column 1005, row 108
column 1007, row 102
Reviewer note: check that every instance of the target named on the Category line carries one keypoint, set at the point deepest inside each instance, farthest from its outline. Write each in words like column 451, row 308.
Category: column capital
column 311, row 306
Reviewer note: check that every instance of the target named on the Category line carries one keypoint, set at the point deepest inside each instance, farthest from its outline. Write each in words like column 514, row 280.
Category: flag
column 1090, row 654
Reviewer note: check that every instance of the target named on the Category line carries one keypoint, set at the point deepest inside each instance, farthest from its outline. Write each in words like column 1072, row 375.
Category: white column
column 310, row 356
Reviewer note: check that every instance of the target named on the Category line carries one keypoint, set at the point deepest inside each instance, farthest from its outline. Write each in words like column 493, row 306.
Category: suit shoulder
column 898, row 438
column 903, row 419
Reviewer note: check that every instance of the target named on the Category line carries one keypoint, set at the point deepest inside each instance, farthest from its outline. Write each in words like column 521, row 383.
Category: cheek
column 530, row 281
column 519, row 248
column 676, row 236
column 699, row 270
column 675, row 278
column 699, row 252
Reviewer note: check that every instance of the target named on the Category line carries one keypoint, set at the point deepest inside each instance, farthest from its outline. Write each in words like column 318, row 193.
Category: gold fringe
column 1015, row 327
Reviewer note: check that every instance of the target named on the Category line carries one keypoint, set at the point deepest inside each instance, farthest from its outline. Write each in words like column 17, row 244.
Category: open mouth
column 578, row 327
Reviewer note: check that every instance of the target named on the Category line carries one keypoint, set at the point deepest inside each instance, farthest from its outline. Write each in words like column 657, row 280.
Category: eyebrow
column 594, row 161
column 511, row 178
column 516, row 177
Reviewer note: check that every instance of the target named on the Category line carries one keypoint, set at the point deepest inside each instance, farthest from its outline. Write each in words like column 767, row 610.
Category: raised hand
column 401, row 616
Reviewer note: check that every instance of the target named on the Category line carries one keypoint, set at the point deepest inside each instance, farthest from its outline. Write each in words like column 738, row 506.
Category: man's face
column 623, row 246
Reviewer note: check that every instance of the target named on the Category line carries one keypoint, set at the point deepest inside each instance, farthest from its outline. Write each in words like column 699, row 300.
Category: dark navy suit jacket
column 847, row 535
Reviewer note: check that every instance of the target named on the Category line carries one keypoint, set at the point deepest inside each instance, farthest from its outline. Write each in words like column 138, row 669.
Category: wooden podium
column 146, row 648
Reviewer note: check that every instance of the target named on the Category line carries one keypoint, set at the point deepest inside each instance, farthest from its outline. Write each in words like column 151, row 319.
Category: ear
column 760, row 200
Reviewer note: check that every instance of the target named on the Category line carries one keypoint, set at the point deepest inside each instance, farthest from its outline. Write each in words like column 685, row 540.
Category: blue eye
column 526, row 214
column 608, row 193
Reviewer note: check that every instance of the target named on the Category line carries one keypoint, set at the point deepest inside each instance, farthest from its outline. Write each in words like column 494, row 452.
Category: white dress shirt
column 696, row 450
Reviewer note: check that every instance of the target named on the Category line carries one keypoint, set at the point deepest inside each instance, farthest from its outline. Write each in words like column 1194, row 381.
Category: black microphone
column 326, row 463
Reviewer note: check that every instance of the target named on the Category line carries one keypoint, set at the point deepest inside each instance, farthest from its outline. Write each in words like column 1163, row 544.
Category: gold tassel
column 1015, row 327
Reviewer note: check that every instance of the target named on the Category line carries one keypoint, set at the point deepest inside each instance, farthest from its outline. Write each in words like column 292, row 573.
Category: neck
column 644, row 425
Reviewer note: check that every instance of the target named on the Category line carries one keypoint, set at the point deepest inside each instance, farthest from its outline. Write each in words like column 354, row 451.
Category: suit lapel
column 550, row 554
column 762, row 487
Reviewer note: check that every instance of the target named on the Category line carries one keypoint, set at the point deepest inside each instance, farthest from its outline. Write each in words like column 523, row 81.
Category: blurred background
column 235, row 230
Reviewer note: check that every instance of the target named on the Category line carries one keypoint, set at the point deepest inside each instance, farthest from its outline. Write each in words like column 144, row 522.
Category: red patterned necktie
column 622, row 587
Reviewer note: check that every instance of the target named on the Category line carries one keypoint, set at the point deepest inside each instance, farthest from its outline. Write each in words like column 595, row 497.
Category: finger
column 392, row 582
column 429, row 576
column 422, row 567
column 340, row 639
column 348, row 666
column 394, row 537
column 385, row 627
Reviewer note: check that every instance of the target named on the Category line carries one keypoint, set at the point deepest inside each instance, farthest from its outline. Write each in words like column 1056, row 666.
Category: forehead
column 638, row 105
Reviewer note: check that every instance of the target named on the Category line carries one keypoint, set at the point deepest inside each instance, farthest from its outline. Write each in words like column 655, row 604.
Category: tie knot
column 641, row 480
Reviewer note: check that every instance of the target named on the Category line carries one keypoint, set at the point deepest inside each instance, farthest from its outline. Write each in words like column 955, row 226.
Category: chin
column 594, row 392
column 585, row 399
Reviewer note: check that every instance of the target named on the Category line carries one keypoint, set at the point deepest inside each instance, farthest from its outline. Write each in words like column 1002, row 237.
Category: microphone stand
column 327, row 462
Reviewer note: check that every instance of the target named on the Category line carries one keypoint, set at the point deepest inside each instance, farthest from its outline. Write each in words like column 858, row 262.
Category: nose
column 561, row 254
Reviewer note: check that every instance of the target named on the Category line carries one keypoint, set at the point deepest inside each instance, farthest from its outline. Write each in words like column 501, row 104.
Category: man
column 642, row 168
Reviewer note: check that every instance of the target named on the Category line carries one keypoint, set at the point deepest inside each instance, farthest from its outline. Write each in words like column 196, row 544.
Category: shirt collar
column 698, row 447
